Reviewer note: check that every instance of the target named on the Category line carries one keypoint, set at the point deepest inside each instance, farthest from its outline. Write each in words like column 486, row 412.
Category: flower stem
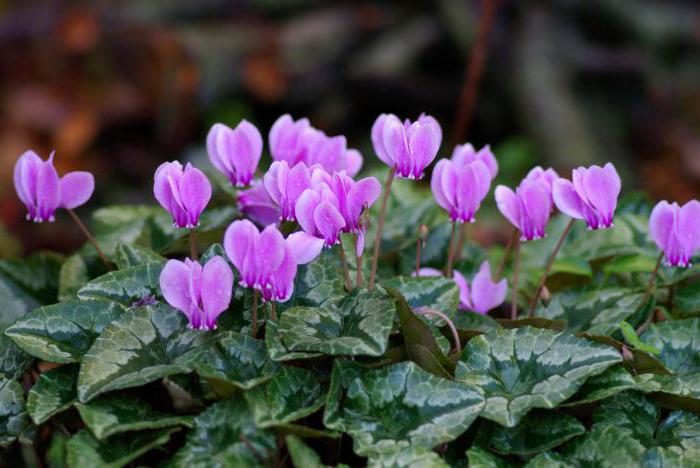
column 647, row 295
column 451, row 254
column 450, row 324
column 509, row 247
column 419, row 241
column 194, row 254
column 89, row 238
column 548, row 268
column 358, row 264
column 254, row 317
column 514, row 286
column 344, row 261
column 460, row 242
column 273, row 311
column 380, row 226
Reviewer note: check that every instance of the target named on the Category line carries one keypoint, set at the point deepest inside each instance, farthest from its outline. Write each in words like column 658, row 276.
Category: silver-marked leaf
column 467, row 320
column 13, row 414
column 36, row 274
column 63, row 332
column 293, row 393
column 15, row 302
column 482, row 458
column 398, row 406
column 605, row 447
column 143, row 345
column 53, row 393
column 317, row 283
column 686, row 302
column 277, row 349
column 83, row 450
column 679, row 343
column 212, row 224
column 359, row 325
column 234, row 358
column 125, row 286
column 548, row 460
column 614, row 380
column 225, row 436
column 407, row 457
column 114, row 413
column 13, row 360
column 538, row 431
column 435, row 292
column 130, row 224
column 525, row 368
column 131, row 255
column 77, row 270
column 301, row 454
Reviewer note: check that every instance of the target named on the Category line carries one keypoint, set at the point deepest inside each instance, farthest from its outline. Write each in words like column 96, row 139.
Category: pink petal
column 486, row 156
column 436, row 185
column 195, row 192
column 689, row 227
column 286, row 138
column 283, row 280
column 329, row 221
column 378, row 139
column 463, row 154
column 174, row 285
column 353, row 162
column 450, row 179
column 246, row 148
column 270, row 250
column 428, row 272
column 217, row 157
column 483, row 176
column 486, row 294
column 360, row 243
column 76, row 188
column 256, row 204
column 537, row 205
column 239, row 239
column 48, row 191
column 567, row 199
column 366, row 191
column 217, row 286
column 304, row 247
column 661, row 223
column 508, row 204
column 465, row 300
column 423, row 146
column 25, row 176
column 395, row 144
column 161, row 185
column 602, row 187
column 305, row 207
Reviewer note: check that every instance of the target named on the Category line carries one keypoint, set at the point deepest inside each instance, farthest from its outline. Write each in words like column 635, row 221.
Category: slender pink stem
column 380, row 226
column 194, row 253
column 254, row 325
column 647, row 294
column 450, row 324
column 344, row 261
column 89, row 237
column 451, row 254
column 358, row 264
column 514, row 290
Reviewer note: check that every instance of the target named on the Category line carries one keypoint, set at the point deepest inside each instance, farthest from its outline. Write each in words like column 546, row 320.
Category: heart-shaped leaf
column 398, row 406
column 143, row 345
column 605, row 446
column 407, row 457
column 301, row 454
column 225, row 435
column 686, row 302
column 131, row 255
column 53, row 393
column 114, row 413
column 359, row 325
column 435, row 292
column 36, row 274
column 15, row 302
column 526, row 368
column 482, row 458
column 126, row 286
column 677, row 342
column 293, row 393
column 63, row 332
column 13, row 360
column 13, row 414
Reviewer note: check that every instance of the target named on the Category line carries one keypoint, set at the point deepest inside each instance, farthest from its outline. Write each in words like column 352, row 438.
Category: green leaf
column 125, row 286
column 75, row 272
column 234, row 358
column 225, row 436
column 593, row 310
column 276, row 348
column 526, row 368
column 538, row 431
column 359, row 325
column 632, row 339
column 13, row 415
column 407, row 457
column 131, row 255
column 631, row 411
column 13, row 360
column 467, row 320
column 481, row 458
column 114, row 413
column 575, row 266
column 56, row 453
column 614, row 380
column 548, row 460
column 65, row 331
column 83, row 450
column 53, row 393
column 537, row 322
column 605, row 447
column 36, row 274
column 131, row 224
column 317, row 283
column 677, row 341
column 143, row 345
column 15, row 302
column 632, row 263
column 398, row 406
column 293, row 393
column 435, row 292
column 212, row 224
column 686, row 302
column 301, row 454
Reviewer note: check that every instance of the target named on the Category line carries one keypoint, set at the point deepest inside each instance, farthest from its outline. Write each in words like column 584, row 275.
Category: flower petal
column 25, row 176
column 689, row 227
column 427, row 271
column 567, row 199
column 175, row 285
column 378, row 139
column 329, row 221
column 508, row 204
column 436, row 185
column 217, row 133
column 195, row 192
column 48, row 191
column 602, row 187
column 465, row 297
column 366, row 191
column 305, row 247
column 661, row 223
column 239, row 240
column 353, row 162
column 76, row 188
column 216, row 289
column 394, row 140
column 305, row 207
column 485, row 293
column 537, row 205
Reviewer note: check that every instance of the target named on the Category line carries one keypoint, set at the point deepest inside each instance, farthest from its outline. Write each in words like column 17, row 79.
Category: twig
column 89, row 238
column 344, row 261
column 647, row 295
column 450, row 324
column 380, row 226
column 451, row 254
column 533, row 305
column 256, row 454
column 514, row 286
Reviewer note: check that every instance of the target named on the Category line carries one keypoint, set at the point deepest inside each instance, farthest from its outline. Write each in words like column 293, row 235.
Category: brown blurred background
column 117, row 87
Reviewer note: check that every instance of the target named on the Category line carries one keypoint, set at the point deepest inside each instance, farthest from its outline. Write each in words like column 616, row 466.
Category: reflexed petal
column 508, row 204
column 328, row 151
column 76, row 188
column 25, row 176
column 270, row 250
column 378, row 139
column 360, row 243
column 449, row 182
column 298, row 181
column 48, row 191
column 195, row 192
column 689, row 227
column 661, row 223
column 537, row 204
column 353, row 162
column 243, row 149
column 304, row 247
column 483, row 176
column 218, row 157
column 161, row 185
column 423, row 144
column 427, row 272
column 216, row 289
column 485, row 294
column 239, row 239
column 463, row 154
column 329, row 221
column 436, row 185
column 394, row 140
column 256, row 204
column 465, row 297
column 283, row 278
column 602, row 186
column 486, row 156
column 305, row 207
column 566, row 199
column 174, row 284
column 365, row 191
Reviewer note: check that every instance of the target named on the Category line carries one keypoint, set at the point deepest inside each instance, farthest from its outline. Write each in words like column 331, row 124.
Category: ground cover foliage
column 96, row 369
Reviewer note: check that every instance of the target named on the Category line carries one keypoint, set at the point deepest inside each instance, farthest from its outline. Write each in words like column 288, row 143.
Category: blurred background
column 117, row 87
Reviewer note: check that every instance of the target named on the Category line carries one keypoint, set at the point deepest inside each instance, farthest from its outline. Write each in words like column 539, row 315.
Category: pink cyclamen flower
column 257, row 205
column 42, row 191
column 676, row 230
column 332, row 206
column 460, row 189
column 201, row 293
column 465, row 154
column 409, row 147
column 184, row 193
column 297, row 141
column 592, row 196
column 528, row 208
column 235, row 152
column 484, row 293
column 265, row 260
column 285, row 185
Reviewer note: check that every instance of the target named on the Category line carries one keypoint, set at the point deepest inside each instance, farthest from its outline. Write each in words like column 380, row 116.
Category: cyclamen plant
column 268, row 328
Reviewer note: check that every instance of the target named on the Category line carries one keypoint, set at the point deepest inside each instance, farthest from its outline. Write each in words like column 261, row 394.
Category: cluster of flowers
column 312, row 182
